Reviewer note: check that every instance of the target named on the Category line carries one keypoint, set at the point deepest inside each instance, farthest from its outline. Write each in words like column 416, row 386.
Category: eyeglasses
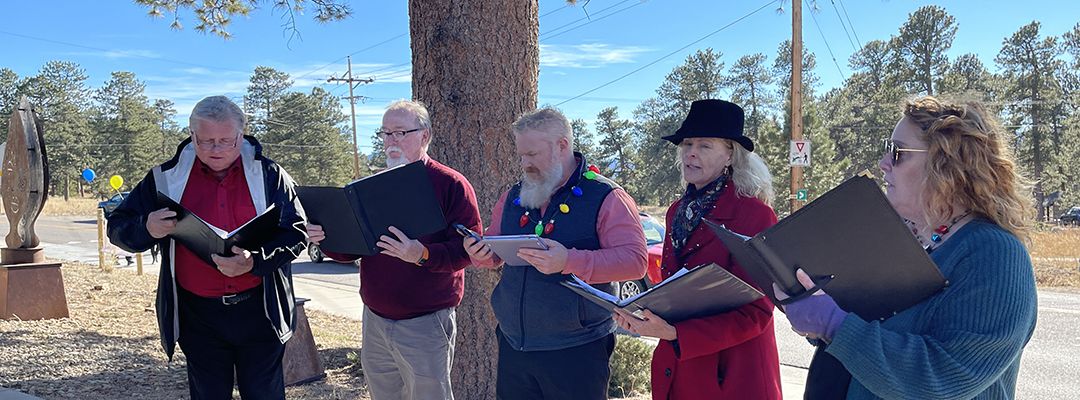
column 220, row 143
column 396, row 134
column 895, row 151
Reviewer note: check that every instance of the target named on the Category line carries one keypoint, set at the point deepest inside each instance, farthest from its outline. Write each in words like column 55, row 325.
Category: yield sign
column 799, row 154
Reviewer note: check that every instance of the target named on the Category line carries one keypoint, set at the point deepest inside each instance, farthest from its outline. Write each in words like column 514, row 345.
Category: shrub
column 630, row 367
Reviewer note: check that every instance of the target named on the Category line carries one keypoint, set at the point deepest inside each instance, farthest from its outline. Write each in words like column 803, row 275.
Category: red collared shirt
column 225, row 203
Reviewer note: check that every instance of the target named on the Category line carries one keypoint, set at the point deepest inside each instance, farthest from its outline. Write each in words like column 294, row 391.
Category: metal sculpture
column 30, row 288
column 25, row 182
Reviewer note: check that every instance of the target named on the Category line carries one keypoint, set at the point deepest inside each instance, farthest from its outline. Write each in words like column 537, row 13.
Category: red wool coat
column 731, row 355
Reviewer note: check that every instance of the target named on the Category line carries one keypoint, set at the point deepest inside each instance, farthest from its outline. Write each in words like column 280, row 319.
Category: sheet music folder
column 850, row 234
column 205, row 239
column 354, row 217
column 705, row 290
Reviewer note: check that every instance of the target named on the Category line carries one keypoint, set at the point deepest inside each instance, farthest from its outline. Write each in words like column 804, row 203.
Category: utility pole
column 796, row 96
column 348, row 78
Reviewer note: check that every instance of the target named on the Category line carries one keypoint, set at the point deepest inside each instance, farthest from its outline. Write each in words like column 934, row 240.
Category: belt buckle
column 229, row 299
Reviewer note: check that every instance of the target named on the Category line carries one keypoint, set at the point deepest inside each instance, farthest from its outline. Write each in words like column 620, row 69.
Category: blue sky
column 576, row 55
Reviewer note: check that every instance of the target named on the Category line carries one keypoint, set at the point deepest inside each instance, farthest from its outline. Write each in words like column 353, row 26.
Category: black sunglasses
column 895, row 151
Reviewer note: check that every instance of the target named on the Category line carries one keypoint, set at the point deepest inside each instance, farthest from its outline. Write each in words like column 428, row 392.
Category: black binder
column 354, row 217
column 705, row 290
column 204, row 239
column 852, row 243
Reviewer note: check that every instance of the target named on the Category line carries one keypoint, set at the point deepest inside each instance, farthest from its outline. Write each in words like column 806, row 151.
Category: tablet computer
column 506, row 246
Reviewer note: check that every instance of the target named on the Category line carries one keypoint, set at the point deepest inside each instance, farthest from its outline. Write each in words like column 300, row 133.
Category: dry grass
column 1055, row 253
column 1056, row 242
column 73, row 206
column 109, row 346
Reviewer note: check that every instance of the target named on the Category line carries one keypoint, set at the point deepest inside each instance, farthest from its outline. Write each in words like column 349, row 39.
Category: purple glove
column 815, row 316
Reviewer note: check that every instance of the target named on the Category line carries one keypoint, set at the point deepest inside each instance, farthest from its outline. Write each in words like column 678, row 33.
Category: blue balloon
column 89, row 175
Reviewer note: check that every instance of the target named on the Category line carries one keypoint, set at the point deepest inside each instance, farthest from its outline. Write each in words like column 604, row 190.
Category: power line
column 843, row 25
column 551, row 35
column 827, row 47
column 856, row 34
column 583, row 18
column 351, row 54
column 553, row 11
column 669, row 54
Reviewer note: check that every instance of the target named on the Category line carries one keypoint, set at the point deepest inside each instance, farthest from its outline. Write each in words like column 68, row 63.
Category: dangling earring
column 727, row 170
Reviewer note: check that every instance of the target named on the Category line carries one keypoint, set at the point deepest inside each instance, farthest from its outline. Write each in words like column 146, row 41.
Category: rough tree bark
column 475, row 65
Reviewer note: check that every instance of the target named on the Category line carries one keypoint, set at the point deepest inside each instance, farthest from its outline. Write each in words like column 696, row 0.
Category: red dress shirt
column 225, row 203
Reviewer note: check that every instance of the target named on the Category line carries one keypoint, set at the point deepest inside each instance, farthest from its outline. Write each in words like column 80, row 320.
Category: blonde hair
column 969, row 166
column 748, row 171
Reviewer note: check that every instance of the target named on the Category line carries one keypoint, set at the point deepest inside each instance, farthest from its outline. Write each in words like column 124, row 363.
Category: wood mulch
column 109, row 348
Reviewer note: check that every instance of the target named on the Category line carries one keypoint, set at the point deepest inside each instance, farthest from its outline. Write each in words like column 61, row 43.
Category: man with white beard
column 554, row 344
column 411, row 288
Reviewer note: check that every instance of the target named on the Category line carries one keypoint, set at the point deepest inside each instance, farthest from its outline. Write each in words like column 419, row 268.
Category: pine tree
column 309, row 138
column 267, row 86
column 59, row 91
column 126, row 129
column 584, row 139
column 923, row 41
column 1030, row 63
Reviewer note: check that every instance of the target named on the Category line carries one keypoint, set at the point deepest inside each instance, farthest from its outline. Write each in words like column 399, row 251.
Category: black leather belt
column 236, row 298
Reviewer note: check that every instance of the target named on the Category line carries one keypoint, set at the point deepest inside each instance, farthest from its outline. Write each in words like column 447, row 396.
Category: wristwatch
column 423, row 258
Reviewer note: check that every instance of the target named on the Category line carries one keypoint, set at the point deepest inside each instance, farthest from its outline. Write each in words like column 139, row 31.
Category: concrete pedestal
column 32, row 291
column 301, row 362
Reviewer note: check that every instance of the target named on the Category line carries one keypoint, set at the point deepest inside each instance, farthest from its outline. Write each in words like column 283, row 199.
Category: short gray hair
column 547, row 119
column 217, row 109
column 418, row 109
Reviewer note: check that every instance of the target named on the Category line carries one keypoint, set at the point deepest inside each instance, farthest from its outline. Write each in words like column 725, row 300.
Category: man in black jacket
column 237, row 313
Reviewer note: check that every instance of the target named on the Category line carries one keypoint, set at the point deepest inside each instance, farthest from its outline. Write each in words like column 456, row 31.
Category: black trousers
column 579, row 372
column 220, row 340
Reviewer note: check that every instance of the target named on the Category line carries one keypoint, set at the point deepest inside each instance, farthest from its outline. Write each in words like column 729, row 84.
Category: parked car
column 1071, row 217
column 110, row 205
column 316, row 255
column 654, row 242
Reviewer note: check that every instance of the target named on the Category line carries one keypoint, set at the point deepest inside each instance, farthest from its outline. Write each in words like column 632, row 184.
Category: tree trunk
column 475, row 65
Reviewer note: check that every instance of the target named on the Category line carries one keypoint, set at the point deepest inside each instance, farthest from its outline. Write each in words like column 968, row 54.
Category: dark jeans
column 220, row 339
column 579, row 372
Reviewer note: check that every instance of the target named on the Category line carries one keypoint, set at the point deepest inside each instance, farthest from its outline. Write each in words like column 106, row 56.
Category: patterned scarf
column 692, row 207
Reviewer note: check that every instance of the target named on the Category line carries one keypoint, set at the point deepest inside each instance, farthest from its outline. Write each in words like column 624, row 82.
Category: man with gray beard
column 553, row 344
column 409, row 339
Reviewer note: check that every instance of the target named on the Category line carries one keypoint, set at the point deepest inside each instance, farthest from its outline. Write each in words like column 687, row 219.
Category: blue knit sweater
column 962, row 343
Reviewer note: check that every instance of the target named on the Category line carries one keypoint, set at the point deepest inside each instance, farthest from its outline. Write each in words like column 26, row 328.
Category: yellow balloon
column 116, row 182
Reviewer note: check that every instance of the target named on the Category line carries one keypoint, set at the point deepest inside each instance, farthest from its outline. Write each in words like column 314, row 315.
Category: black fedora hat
column 713, row 118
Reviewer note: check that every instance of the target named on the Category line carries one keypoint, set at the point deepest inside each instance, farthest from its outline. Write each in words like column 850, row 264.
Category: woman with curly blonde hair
column 949, row 172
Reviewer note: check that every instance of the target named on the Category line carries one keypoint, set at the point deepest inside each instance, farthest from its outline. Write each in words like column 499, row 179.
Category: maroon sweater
column 396, row 289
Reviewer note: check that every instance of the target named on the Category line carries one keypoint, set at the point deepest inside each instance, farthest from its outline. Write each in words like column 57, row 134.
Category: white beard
column 534, row 193
column 392, row 162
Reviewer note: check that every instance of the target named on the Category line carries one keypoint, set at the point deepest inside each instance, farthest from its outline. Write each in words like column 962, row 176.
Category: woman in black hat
column 732, row 354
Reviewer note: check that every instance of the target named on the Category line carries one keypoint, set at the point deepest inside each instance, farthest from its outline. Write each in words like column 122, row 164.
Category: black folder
column 705, row 290
column 205, row 239
column 354, row 217
column 851, row 242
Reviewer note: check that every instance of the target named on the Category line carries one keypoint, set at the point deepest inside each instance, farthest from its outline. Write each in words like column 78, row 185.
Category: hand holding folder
column 355, row 216
column 851, row 242
column 205, row 239
column 705, row 290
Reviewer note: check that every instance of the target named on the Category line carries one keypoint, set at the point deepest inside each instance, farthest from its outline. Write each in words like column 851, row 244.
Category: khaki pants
column 408, row 359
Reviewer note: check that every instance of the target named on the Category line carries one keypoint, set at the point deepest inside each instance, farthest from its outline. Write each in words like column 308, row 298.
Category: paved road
column 1049, row 370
